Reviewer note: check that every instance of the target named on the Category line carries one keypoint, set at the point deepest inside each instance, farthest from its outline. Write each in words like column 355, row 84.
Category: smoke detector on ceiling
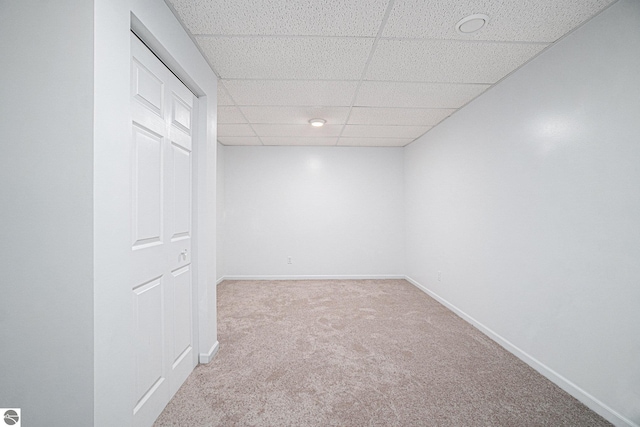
column 472, row 23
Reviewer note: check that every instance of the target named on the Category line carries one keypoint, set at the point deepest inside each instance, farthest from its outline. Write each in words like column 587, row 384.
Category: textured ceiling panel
column 235, row 130
column 283, row 17
column 374, row 142
column 230, row 114
column 523, row 20
column 278, row 140
column 295, row 115
column 291, row 92
column 239, row 140
column 223, row 97
column 358, row 131
column 417, row 95
column 297, row 130
column 284, row 62
column 398, row 116
column 287, row 57
column 448, row 61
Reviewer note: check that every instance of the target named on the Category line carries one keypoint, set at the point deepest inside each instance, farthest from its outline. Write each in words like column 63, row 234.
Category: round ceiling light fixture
column 317, row 122
column 472, row 23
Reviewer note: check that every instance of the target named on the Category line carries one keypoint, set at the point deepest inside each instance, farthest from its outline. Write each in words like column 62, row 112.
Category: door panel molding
column 161, row 220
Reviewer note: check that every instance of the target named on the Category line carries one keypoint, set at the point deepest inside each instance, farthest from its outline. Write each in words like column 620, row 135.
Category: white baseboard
column 317, row 277
column 220, row 280
column 204, row 358
column 590, row 401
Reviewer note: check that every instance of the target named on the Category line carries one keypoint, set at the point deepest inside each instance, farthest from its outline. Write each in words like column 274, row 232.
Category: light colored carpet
column 359, row 353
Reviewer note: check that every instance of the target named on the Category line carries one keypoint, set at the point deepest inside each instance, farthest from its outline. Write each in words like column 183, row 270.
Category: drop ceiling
column 380, row 72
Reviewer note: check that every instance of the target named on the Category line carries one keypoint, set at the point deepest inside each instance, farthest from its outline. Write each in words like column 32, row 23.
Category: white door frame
column 154, row 22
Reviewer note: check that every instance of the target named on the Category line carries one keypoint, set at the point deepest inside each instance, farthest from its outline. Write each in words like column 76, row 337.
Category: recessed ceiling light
column 472, row 23
column 317, row 122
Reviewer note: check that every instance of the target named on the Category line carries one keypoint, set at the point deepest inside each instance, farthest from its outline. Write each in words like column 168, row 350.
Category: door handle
column 184, row 254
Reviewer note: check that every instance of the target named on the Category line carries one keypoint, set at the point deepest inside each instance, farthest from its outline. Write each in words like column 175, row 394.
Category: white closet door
column 161, row 212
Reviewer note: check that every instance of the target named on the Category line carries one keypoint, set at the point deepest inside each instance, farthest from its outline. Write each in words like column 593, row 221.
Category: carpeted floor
column 359, row 353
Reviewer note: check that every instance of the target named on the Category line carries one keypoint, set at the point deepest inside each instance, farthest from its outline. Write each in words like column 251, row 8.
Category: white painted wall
column 220, row 211
column 527, row 200
column 337, row 211
column 66, row 315
column 46, row 243
column 113, row 313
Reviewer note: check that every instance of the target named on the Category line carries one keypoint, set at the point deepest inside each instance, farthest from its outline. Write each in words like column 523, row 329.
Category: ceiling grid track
column 366, row 65
column 379, row 72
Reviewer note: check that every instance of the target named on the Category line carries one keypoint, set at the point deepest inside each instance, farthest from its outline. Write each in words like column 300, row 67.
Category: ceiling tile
column 284, row 62
column 295, row 115
column 296, row 130
column 374, row 142
column 287, row 57
column 398, row 116
column 280, row 140
column 230, row 114
column 384, row 131
column 524, row 20
column 235, row 130
column 239, row 140
column 291, row 92
column 417, row 95
column 223, row 96
column 283, row 17
column 447, row 60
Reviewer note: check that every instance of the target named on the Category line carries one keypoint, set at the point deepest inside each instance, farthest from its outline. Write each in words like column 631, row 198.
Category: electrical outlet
column 439, row 276
column 289, row 260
